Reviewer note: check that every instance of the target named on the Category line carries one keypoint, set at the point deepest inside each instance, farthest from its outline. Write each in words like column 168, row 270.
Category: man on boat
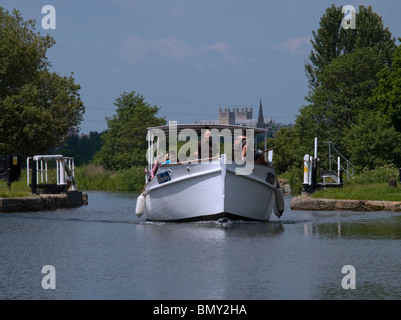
column 206, row 148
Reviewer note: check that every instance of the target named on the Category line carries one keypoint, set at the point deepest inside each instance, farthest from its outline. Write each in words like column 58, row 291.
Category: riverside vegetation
column 89, row 177
column 354, row 97
column 367, row 185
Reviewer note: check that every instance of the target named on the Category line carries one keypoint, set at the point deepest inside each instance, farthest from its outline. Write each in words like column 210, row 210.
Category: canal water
column 102, row 251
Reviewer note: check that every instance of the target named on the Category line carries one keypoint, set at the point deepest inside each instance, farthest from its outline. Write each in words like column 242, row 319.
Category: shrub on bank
column 19, row 188
column 367, row 184
column 88, row 177
column 95, row 177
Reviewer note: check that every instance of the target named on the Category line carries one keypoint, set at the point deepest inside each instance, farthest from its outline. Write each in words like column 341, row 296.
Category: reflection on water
column 102, row 251
column 383, row 227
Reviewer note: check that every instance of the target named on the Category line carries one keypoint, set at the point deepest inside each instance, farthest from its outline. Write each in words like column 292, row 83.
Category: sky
column 188, row 57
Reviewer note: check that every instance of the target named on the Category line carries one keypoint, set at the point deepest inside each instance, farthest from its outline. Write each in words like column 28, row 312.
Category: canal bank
column 43, row 202
column 309, row 203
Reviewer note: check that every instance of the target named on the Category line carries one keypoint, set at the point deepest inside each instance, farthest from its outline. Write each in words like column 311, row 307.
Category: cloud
column 219, row 46
column 135, row 48
column 296, row 45
column 171, row 47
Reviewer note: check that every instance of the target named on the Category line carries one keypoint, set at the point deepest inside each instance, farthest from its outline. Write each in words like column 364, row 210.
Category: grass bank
column 89, row 178
column 367, row 185
column 96, row 178
column 378, row 191
column 18, row 188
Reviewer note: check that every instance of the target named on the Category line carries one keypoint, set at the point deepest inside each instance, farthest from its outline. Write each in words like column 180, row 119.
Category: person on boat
column 170, row 158
column 209, row 148
column 239, row 147
column 155, row 167
column 154, row 170
column 259, row 157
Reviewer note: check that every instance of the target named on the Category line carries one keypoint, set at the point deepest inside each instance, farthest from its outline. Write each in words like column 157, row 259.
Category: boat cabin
column 179, row 144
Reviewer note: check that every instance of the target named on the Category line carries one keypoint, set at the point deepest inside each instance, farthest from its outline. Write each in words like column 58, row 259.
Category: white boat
column 195, row 190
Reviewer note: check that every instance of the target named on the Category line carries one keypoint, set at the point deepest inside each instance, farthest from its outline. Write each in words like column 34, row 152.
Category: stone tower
column 226, row 116
column 244, row 113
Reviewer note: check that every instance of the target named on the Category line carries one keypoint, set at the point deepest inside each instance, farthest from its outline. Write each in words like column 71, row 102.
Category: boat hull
column 249, row 196
column 187, row 192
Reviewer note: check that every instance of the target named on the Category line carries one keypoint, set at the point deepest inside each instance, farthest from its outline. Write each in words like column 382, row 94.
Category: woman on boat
column 209, row 148
column 239, row 147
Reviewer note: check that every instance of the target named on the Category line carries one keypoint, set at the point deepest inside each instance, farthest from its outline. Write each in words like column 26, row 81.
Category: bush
column 96, row 177
column 295, row 178
column 381, row 174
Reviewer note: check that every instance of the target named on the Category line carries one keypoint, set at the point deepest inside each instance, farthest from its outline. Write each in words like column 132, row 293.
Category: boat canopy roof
column 199, row 127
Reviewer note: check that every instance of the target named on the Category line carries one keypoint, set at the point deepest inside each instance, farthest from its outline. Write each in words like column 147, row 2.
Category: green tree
column 38, row 107
column 124, row 144
column 346, row 85
column 80, row 147
column 343, row 71
column 372, row 141
column 387, row 95
column 331, row 41
column 290, row 151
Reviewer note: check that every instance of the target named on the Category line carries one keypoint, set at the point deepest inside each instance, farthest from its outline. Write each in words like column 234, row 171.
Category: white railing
column 65, row 169
column 349, row 168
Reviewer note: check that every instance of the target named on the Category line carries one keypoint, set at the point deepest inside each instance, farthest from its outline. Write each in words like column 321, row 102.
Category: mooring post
column 315, row 148
column 313, row 176
column 33, row 179
column 9, row 178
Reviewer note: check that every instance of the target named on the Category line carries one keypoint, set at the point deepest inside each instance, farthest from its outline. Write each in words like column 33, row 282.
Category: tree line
column 38, row 106
column 354, row 96
column 353, row 99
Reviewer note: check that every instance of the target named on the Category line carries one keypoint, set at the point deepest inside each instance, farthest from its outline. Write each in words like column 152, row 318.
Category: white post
column 315, row 148
column 151, row 151
column 41, row 171
column 338, row 169
column 46, row 170
column 37, row 169
column 270, row 156
column 306, row 169
column 27, row 170
column 148, row 138
column 62, row 171
column 264, row 153
column 58, row 171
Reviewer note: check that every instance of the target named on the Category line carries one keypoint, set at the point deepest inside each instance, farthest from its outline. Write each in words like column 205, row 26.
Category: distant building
column 226, row 116
column 238, row 116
